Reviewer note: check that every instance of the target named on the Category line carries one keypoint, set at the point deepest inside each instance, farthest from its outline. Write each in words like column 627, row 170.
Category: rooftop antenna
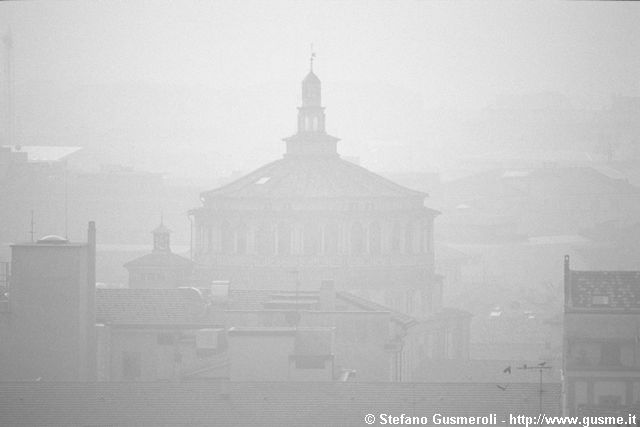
column 8, row 43
column 540, row 367
column 66, row 202
column 32, row 230
column 311, row 58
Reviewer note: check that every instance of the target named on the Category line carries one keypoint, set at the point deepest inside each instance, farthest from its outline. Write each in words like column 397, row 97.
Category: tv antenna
column 540, row 367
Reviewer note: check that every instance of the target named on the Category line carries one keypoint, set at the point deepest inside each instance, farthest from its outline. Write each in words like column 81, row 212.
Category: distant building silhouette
column 161, row 268
column 313, row 216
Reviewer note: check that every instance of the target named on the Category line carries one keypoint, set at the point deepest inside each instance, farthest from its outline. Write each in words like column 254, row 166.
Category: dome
column 54, row 239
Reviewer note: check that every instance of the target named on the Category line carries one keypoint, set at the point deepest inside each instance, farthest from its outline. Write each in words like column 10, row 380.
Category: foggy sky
column 431, row 54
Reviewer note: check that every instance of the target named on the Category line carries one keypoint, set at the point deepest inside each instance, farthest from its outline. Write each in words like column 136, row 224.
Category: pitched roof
column 260, row 403
column 149, row 306
column 509, row 328
column 312, row 177
column 261, row 299
column 368, row 305
column 609, row 290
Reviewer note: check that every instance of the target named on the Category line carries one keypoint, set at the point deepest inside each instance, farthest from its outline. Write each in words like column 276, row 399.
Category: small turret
column 161, row 238
column 311, row 137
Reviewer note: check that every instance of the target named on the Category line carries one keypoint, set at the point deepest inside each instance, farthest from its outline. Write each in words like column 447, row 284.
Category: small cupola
column 161, row 238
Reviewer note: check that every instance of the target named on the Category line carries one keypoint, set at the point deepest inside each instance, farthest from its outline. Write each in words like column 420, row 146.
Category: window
column 265, row 242
column 610, row 355
column 284, row 239
column 331, row 237
column 374, row 238
column 609, row 400
column 241, row 239
column 226, row 238
column 209, row 239
column 207, row 342
column 396, row 238
column 422, row 239
column 311, row 239
column 130, row 366
column 165, row 338
column 409, row 238
column 357, row 239
column 600, row 300
column 310, row 362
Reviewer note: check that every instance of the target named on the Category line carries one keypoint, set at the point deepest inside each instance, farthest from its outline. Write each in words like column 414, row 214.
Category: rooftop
column 150, row 306
column 312, row 177
column 44, row 153
column 261, row 299
column 259, row 403
column 605, row 291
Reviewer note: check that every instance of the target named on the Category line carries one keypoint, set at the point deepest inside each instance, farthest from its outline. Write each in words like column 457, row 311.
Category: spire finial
column 311, row 58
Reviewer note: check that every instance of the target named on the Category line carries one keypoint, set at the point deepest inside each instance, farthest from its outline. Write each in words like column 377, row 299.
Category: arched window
column 311, row 239
column 209, row 238
column 428, row 237
column 396, row 238
column 226, row 238
column 331, row 238
column 241, row 239
column 423, row 236
column 410, row 238
column 265, row 240
column 284, row 239
column 357, row 239
column 374, row 238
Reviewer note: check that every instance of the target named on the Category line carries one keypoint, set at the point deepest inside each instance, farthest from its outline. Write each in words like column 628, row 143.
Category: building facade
column 314, row 216
column 601, row 341
column 47, row 321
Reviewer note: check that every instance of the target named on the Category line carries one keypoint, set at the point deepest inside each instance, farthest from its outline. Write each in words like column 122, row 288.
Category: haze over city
column 173, row 86
column 319, row 213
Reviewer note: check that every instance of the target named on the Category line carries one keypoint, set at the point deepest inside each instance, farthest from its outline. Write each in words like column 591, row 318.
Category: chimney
column 219, row 291
column 91, row 243
column 327, row 296
column 567, row 282
column 91, row 355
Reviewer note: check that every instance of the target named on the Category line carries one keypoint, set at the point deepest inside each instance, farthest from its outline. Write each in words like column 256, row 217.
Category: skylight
column 263, row 180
